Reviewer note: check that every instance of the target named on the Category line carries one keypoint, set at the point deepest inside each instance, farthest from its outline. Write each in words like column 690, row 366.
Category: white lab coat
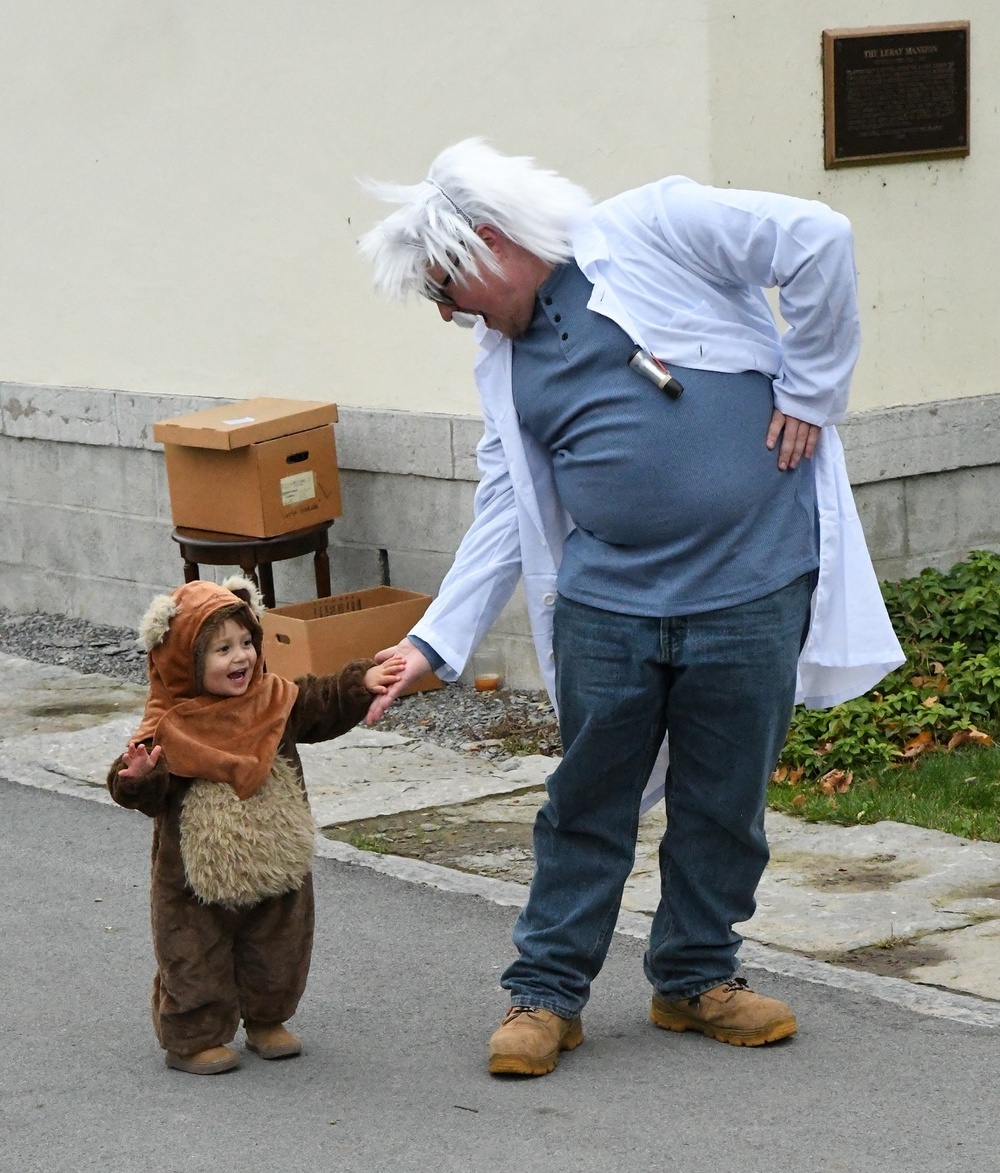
column 680, row 268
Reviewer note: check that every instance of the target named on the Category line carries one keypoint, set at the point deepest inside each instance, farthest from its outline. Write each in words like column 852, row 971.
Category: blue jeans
column 722, row 685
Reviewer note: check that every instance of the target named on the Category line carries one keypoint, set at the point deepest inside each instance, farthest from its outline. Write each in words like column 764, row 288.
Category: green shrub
column 946, row 694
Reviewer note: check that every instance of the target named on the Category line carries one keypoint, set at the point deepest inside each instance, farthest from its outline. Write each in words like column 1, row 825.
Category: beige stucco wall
column 179, row 206
column 183, row 208
column 927, row 242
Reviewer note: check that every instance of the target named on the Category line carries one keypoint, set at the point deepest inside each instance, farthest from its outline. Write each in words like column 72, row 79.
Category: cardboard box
column 262, row 467
column 321, row 636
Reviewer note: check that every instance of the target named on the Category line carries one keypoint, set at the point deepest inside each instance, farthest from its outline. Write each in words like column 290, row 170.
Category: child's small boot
column 211, row 1061
column 271, row 1040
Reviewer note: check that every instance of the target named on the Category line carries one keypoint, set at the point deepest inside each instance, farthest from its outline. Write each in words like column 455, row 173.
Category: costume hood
column 221, row 739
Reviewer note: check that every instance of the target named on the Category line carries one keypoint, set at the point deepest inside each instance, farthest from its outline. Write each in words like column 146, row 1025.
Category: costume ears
column 156, row 622
column 245, row 589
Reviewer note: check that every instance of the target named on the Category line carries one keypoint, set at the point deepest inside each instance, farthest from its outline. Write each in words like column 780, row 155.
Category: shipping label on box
column 299, row 487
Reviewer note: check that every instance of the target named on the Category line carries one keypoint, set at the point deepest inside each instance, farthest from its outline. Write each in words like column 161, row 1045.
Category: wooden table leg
column 266, row 583
column 191, row 571
column 321, row 563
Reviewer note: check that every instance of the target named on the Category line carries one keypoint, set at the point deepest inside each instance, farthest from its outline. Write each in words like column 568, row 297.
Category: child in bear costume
column 214, row 764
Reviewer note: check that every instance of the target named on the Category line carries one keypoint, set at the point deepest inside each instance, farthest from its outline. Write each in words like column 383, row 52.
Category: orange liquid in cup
column 488, row 682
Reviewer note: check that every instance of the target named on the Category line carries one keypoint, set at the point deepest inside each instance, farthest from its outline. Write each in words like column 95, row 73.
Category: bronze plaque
column 896, row 93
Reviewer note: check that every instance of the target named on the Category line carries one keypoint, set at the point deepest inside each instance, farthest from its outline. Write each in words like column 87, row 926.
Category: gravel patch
column 496, row 725
column 493, row 725
column 73, row 643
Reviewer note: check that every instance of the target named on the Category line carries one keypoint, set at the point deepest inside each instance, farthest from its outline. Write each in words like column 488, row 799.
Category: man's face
column 505, row 299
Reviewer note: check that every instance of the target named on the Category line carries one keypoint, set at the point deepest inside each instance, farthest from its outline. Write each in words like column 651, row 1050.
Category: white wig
column 468, row 185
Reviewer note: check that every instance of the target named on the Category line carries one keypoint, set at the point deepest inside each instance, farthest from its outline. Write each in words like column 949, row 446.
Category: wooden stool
column 255, row 555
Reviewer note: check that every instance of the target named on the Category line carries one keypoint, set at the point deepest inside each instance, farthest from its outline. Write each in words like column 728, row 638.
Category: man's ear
column 493, row 238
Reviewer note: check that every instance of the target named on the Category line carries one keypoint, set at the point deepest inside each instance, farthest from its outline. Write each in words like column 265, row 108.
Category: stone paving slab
column 81, row 757
column 42, row 698
column 834, row 888
column 971, row 965
column 828, row 889
column 366, row 773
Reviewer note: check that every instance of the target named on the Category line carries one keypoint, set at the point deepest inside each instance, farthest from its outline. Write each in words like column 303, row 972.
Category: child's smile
column 230, row 661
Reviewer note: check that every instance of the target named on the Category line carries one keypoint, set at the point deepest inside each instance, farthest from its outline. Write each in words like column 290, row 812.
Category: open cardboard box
column 322, row 635
column 259, row 468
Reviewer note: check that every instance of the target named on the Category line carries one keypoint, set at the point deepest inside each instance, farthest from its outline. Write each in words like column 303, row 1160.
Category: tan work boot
column 211, row 1061
column 529, row 1040
column 731, row 1013
column 271, row 1040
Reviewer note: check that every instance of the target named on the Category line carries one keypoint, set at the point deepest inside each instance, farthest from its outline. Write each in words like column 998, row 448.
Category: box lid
column 235, row 425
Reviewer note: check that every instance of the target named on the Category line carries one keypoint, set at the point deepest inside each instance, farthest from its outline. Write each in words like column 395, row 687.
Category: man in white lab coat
column 659, row 466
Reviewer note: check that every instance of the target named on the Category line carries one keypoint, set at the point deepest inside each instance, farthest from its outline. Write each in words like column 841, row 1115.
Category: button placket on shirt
column 555, row 317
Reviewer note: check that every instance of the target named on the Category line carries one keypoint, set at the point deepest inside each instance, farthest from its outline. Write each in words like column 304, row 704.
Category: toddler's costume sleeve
column 148, row 795
column 328, row 706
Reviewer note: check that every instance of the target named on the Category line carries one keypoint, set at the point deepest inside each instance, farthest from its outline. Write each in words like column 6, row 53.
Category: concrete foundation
column 87, row 514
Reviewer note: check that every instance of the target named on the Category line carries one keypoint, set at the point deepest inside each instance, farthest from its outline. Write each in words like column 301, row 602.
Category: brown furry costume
column 231, row 894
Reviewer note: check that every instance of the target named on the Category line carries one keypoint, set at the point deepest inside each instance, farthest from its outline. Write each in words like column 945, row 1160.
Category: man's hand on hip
column 415, row 666
column 798, row 439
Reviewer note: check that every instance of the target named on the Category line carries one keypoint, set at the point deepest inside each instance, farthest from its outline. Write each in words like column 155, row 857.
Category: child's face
column 230, row 661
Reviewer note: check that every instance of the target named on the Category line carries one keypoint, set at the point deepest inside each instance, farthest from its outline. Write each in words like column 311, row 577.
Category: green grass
column 957, row 792
column 379, row 844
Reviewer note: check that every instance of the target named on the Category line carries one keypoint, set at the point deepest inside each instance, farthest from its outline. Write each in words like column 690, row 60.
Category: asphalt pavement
column 401, row 1001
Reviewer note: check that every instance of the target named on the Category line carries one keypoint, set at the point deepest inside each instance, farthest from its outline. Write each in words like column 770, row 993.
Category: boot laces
column 733, row 986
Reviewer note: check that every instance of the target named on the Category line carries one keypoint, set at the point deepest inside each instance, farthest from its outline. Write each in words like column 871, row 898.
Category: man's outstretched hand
column 798, row 439
column 414, row 666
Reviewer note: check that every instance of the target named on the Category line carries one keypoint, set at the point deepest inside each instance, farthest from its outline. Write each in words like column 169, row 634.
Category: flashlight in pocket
column 642, row 361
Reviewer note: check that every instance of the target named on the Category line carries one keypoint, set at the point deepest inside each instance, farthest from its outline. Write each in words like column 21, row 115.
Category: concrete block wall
column 86, row 510
column 926, row 481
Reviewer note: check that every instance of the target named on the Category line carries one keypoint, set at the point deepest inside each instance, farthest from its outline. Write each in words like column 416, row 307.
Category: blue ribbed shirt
column 678, row 504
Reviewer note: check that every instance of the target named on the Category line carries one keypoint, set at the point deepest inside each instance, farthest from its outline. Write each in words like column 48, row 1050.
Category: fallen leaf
column 799, row 800
column 920, row 744
column 780, row 774
column 930, row 701
column 937, row 668
column 795, row 777
column 836, row 781
column 964, row 736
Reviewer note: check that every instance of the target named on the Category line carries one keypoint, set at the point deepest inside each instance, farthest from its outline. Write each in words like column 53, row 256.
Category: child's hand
column 383, row 676
column 139, row 762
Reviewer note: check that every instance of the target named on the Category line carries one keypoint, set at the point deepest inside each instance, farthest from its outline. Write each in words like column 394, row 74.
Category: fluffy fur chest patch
column 239, row 853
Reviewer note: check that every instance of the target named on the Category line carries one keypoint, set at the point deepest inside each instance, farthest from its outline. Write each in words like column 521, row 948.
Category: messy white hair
column 468, row 185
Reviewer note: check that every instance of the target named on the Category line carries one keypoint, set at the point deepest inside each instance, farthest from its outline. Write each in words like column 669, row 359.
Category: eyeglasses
column 436, row 291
